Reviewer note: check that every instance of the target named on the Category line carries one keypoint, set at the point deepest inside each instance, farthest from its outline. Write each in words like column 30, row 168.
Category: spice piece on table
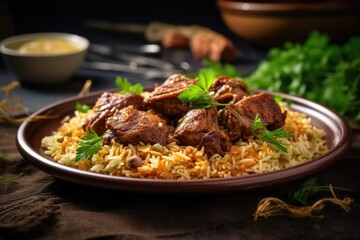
column 203, row 42
column 12, row 105
column 272, row 206
column 86, row 88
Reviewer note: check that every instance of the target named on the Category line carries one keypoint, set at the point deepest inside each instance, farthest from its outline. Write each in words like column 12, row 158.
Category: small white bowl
column 45, row 68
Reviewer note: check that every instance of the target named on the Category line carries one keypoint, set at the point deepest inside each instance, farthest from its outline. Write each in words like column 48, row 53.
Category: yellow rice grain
column 172, row 161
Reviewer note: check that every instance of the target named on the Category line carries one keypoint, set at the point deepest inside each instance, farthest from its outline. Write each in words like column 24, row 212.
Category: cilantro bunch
column 317, row 70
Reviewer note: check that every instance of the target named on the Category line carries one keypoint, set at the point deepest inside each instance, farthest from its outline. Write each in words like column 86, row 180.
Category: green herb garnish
column 198, row 95
column 221, row 69
column 260, row 131
column 89, row 145
column 11, row 177
column 82, row 107
column 317, row 70
column 308, row 189
column 126, row 87
column 2, row 155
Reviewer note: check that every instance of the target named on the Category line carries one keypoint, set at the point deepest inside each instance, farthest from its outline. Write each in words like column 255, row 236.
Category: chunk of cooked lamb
column 200, row 128
column 164, row 99
column 228, row 89
column 131, row 126
column 238, row 118
column 105, row 107
column 215, row 142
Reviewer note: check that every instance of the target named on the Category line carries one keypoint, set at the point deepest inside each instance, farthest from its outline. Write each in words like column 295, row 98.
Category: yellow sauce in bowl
column 47, row 46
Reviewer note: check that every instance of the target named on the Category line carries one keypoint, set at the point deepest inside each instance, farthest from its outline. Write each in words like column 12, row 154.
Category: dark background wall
column 30, row 16
column 66, row 14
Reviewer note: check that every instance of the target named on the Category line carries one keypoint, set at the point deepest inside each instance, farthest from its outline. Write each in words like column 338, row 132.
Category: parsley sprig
column 126, row 87
column 82, row 107
column 198, row 95
column 89, row 145
column 315, row 69
column 260, row 131
column 310, row 188
column 221, row 69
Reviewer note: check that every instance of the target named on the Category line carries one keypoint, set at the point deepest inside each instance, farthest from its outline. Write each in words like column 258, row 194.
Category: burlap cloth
column 35, row 205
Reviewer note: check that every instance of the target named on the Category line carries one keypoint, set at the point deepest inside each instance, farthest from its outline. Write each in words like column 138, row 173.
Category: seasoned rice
column 186, row 162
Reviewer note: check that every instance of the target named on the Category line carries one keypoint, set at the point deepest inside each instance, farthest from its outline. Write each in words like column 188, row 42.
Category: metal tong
column 109, row 58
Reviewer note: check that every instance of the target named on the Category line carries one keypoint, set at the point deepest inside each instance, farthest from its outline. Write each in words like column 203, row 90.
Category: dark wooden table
column 35, row 205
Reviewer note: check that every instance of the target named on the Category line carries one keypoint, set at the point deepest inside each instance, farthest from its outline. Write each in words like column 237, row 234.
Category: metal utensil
column 112, row 53
column 117, row 27
column 139, row 49
column 146, row 72
column 100, row 62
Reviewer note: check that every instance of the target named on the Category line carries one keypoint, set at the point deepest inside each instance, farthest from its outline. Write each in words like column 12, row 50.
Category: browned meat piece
column 194, row 124
column 131, row 126
column 106, row 139
column 238, row 118
column 106, row 105
column 164, row 97
column 200, row 127
column 215, row 142
column 228, row 89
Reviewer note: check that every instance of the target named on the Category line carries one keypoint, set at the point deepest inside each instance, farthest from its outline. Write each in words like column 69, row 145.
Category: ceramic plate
column 30, row 134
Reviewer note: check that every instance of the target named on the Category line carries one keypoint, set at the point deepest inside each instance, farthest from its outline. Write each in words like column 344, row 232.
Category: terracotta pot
column 272, row 23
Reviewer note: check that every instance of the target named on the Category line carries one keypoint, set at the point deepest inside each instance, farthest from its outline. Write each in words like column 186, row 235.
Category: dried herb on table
column 10, row 177
column 86, row 88
column 272, row 206
column 309, row 189
column 12, row 105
